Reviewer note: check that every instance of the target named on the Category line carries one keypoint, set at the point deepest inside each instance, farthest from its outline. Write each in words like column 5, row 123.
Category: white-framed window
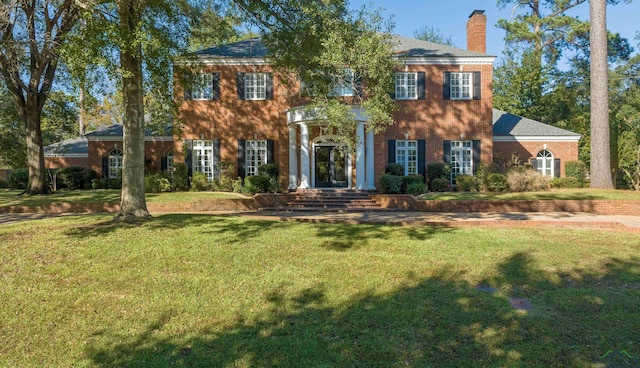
column 461, row 158
column 407, row 155
column 202, row 88
column 255, row 155
column 343, row 83
column 255, row 86
column 115, row 163
column 545, row 163
column 170, row 162
column 461, row 86
column 203, row 159
column 406, row 86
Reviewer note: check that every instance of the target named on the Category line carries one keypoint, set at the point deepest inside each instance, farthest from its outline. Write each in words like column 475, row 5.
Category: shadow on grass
column 440, row 321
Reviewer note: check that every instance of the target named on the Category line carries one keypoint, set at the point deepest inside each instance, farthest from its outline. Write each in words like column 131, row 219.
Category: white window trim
column 344, row 86
column 170, row 162
column 259, row 90
column 201, row 152
column 405, row 148
column 115, row 163
column 459, row 146
column 202, row 88
column 542, row 158
column 255, row 151
column 405, row 86
column 461, row 85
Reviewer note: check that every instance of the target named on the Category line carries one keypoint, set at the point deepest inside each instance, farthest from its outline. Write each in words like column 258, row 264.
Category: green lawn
column 212, row 291
column 554, row 194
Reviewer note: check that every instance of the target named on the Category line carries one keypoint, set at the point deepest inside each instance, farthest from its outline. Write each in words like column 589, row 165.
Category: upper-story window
column 461, row 86
column 343, row 83
column 204, row 86
column 255, row 86
column 406, row 86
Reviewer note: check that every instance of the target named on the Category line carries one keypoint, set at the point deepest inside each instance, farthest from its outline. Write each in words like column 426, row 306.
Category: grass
column 554, row 194
column 212, row 291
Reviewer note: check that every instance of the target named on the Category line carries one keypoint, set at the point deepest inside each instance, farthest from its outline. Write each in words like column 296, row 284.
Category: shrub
column 156, row 183
column 249, row 188
column 106, row 183
column 18, row 178
column 578, row 170
column 180, row 177
column 270, row 170
column 416, row 188
column 484, row 170
column 3, row 184
column 439, row 184
column 75, row 177
column 237, row 185
column 413, row 179
column 568, row 182
column 438, row 171
column 225, row 183
column 259, row 183
column 199, row 182
column 496, row 182
column 395, row 169
column 467, row 183
column 526, row 180
column 274, row 185
column 391, row 184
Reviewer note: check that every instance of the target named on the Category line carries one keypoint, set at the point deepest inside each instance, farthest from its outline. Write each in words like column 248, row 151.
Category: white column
column 305, row 166
column 360, row 164
column 293, row 157
column 371, row 176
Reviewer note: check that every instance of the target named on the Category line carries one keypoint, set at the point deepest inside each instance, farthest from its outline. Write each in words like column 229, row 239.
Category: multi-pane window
column 461, row 158
column 545, row 163
column 343, row 83
column 406, row 86
column 407, row 155
column 255, row 86
column 203, row 159
column 256, row 155
column 115, row 163
column 170, row 162
column 202, row 88
column 461, row 86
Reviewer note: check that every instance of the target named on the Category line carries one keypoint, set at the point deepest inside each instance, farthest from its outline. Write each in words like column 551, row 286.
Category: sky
column 450, row 18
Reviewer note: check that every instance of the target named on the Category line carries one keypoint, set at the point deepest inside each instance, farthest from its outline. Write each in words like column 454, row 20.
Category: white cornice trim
column 226, row 61
column 539, row 138
column 66, row 155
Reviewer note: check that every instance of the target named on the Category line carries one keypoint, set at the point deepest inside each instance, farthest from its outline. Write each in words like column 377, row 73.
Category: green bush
column 180, row 177
column 439, row 185
column 199, row 182
column 18, row 178
column 496, row 182
column 526, row 180
column 75, row 177
column 438, row 171
column 270, row 170
column 156, row 183
column 416, row 188
column 412, row 179
column 467, row 183
column 225, row 183
column 483, row 171
column 568, row 182
column 395, row 169
column 237, row 185
column 106, row 183
column 3, row 184
column 391, row 184
column 260, row 183
column 578, row 170
column 274, row 185
column 249, row 188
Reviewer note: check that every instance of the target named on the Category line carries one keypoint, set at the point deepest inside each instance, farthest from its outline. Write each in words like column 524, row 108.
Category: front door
column 331, row 167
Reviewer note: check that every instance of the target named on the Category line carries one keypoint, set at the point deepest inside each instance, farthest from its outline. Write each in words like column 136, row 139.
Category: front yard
column 213, row 291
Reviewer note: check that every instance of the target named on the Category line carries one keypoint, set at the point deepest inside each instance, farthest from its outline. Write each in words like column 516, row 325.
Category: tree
column 31, row 36
column 431, row 34
column 600, row 149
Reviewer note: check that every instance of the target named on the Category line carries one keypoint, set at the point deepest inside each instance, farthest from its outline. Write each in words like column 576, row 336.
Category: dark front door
column 331, row 167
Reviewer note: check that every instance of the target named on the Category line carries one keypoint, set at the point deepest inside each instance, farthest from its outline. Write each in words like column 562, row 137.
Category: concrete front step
column 332, row 200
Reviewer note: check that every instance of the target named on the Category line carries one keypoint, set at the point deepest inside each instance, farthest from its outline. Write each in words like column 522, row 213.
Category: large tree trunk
column 35, row 153
column 132, row 203
column 600, row 148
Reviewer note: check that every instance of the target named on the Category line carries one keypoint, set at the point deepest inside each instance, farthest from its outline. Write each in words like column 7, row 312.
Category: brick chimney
column 477, row 32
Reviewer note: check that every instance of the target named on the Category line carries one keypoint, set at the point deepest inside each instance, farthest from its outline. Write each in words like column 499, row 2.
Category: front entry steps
column 331, row 200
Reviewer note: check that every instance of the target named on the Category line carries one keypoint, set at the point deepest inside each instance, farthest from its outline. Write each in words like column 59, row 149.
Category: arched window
column 545, row 163
column 115, row 163
column 170, row 162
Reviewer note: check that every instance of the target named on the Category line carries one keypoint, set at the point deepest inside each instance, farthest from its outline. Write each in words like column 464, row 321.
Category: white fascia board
column 542, row 138
column 66, row 155
column 225, row 61
column 479, row 60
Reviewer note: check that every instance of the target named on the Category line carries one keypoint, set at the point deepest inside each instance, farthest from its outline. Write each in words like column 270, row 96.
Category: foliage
column 395, row 169
column 416, row 188
column 13, row 141
column 391, row 184
column 412, row 179
column 467, row 183
column 199, row 182
column 18, row 178
column 568, row 182
column 497, row 183
column 439, row 185
column 225, row 182
column 526, row 180
column 237, row 185
column 258, row 183
column 106, row 183
column 156, row 183
column 75, row 177
column 180, row 177
column 438, row 171
column 270, row 170
column 578, row 170
column 484, row 169
column 432, row 34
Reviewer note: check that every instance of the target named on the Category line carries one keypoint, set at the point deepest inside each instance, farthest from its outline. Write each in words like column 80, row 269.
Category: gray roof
column 403, row 46
column 72, row 146
column 505, row 124
column 115, row 130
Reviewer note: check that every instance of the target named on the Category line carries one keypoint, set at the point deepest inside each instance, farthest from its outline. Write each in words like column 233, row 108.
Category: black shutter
column 446, row 86
column 163, row 164
column 242, row 165
column 187, row 94
column 392, row 151
column 476, row 151
column 446, row 152
column 556, row 167
column 270, row 151
column 240, row 84
column 105, row 167
column 215, row 79
column 269, row 86
column 188, row 157
column 422, row 82
column 358, row 87
column 477, row 86
column 422, row 156
column 392, row 94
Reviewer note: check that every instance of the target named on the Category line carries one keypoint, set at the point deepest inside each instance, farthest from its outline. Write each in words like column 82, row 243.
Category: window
column 407, row 155
column 115, row 163
column 170, row 162
column 255, row 155
column 406, row 86
column 343, row 84
column 545, row 163
column 461, row 158
column 203, row 158
column 255, row 86
column 202, row 88
column 461, row 86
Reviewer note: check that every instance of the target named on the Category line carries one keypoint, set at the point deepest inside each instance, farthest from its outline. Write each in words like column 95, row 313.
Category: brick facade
column 565, row 151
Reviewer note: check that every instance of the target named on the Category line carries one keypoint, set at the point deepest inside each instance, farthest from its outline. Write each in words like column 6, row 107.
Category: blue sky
column 450, row 17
